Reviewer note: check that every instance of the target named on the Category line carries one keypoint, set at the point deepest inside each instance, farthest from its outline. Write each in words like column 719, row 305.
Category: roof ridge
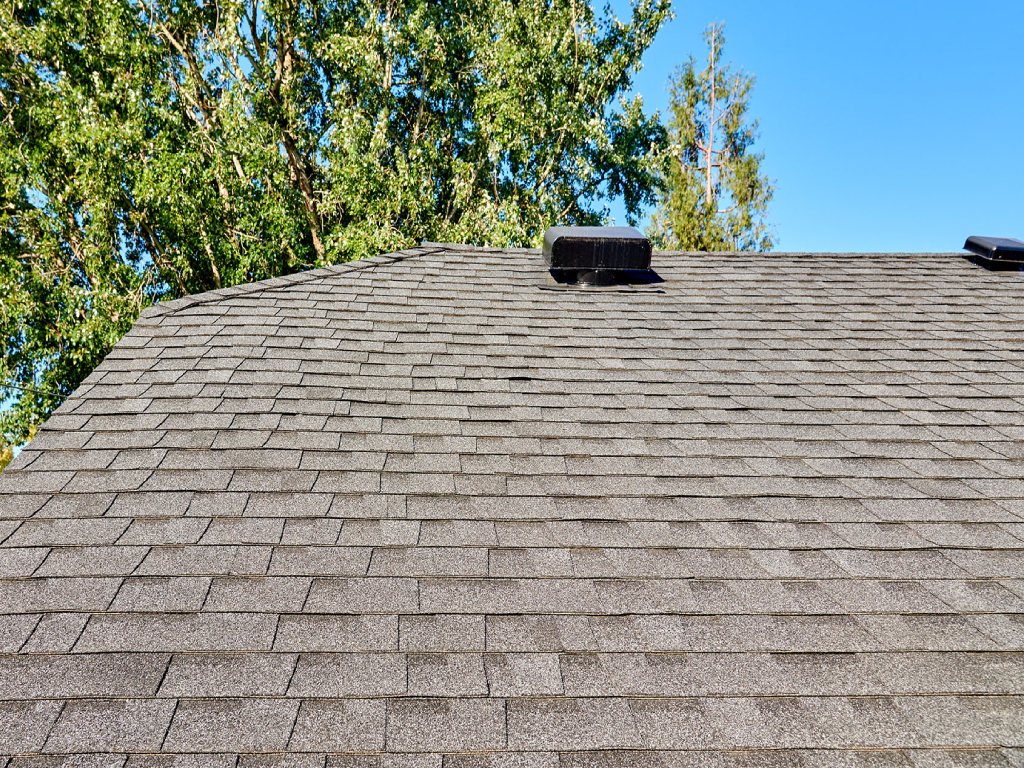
column 243, row 289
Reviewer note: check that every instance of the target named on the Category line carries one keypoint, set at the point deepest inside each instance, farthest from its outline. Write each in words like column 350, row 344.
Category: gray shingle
column 21, row 561
column 63, row 532
column 447, row 674
column 133, row 725
column 178, row 632
column 57, row 594
column 231, row 725
column 379, row 533
column 319, row 561
column 75, row 505
column 151, row 504
column 15, row 630
column 440, row 632
column 206, row 560
column 93, row 561
column 24, row 725
column 55, row 633
column 270, row 594
column 523, row 674
column 216, row 675
column 364, row 595
column 244, row 531
column 333, row 675
column 352, row 725
column 65, row 676
column 337, row 633
column 421, row 725
column 569, row 724
column 161, row 593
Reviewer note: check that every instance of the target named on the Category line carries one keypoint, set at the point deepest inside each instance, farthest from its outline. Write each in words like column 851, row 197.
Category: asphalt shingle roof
column 429, row 509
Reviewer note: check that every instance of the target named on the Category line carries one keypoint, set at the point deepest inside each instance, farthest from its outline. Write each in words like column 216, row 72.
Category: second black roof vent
column 595, row 254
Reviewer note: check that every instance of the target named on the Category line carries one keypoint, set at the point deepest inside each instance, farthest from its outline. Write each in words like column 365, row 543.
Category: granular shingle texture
column 433, row 509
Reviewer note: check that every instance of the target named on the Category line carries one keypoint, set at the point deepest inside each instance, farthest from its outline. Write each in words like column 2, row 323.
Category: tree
column 715, row 197
column 155, row 148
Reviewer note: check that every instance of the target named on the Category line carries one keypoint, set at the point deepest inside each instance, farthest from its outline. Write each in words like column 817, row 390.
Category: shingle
column 878, row 596
column 352, row 725
column 34, row 533
column 161, row 593
column 206, row 560
column 333, row 675
column 379, row 533
column 310, row 531
column 337, row 633
column 27, row 482
column 447, row 674
column 288, row 505
column 217, row 504
column 80, row 675
column 503, row 760
column 217, row 675
column 570, row 724
column 20, row 505
column 368, row 506
column 74, row 505
column 928, row 633
column 56, row 633
column 319, row 561
column 965, row 720
column 428, row 561
column 540, row 633
column 133, row 725
column 283, row 760
column 93, row 561
column 56, row 761
column 420, row 725
column 231, row 725
column 116, row 480
column 178, row 632
column 57, row 594
column 151, row 531
column 24, row 725
column 15, row 630
column 678, row 724
column 523, row 674
column 440, row 632
column 268, row 594
column 150, row 504
column 364, row 595
column 244, row 531
column 21, row 561
column 1006, row 630
column 902, row 564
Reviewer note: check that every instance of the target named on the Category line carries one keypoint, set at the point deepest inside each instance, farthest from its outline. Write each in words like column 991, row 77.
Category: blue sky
column 887, row 126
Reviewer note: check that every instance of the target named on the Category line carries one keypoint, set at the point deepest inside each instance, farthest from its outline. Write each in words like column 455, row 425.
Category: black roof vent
column 596, row 254
column 996, row 252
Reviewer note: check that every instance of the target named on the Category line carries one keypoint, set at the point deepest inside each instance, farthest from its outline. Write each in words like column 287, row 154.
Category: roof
column 430, row 509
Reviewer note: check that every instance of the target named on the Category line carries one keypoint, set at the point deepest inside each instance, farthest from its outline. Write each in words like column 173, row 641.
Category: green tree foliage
column 715, row 198
column 153, row 149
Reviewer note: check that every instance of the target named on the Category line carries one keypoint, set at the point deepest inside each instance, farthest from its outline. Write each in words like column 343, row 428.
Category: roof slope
column 768, row 512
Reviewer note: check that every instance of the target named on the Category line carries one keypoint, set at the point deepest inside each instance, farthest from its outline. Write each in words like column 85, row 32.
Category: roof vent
column 596, row 254
column 998, row 253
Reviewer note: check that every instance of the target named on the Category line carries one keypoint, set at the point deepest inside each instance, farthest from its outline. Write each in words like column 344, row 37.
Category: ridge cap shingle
column 164, row 308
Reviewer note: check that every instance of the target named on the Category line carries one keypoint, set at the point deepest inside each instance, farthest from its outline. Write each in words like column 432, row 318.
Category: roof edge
column 243, row 289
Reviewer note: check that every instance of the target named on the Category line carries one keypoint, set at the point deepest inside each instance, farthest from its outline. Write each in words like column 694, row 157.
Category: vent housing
column 998, row 253
column 595, row 254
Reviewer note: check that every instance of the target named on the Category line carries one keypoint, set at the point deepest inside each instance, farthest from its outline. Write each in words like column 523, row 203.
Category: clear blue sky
column 887, row 126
